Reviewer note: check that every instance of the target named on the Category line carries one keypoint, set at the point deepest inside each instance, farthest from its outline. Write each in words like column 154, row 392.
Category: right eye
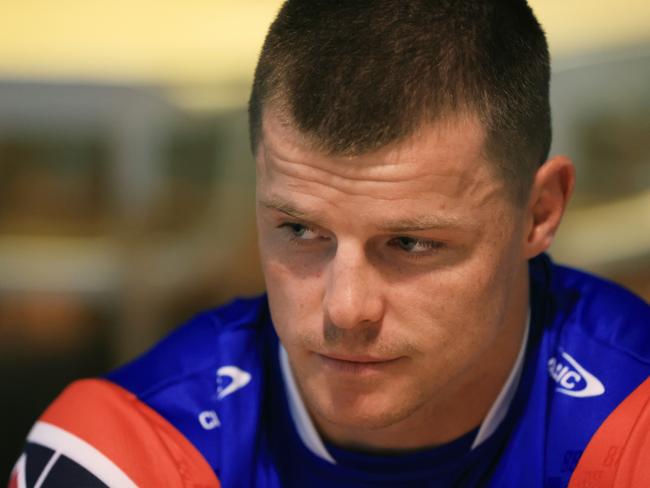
column 300, row 232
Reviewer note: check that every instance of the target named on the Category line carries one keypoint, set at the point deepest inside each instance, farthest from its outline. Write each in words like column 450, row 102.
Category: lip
column 358, row 359
column 357, row 365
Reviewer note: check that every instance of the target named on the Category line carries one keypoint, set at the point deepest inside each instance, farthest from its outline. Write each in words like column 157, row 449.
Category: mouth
column 357, row 365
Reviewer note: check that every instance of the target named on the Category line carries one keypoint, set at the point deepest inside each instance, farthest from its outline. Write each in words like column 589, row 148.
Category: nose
column 352, row 294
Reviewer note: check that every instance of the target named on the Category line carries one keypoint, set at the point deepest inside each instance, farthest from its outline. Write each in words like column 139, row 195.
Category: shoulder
column 590, row 306
column 595, row 354
column 163, row 409
column 589, row 351
column 617, row 454
column 98, row 434
column 230, row 333
column 208, row 378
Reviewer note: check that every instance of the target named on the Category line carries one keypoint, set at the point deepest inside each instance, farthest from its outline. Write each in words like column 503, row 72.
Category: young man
column 414, row 333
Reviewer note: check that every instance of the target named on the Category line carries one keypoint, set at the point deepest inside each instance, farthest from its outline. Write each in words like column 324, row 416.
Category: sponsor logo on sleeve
column 238, row 379
column 229, row 380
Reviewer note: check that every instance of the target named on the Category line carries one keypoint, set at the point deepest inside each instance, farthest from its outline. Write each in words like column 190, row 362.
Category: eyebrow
column 409, row 224
column 420, row 223
column 275, row 203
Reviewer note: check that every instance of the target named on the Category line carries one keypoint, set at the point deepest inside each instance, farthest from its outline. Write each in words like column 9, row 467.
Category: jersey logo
column 238, row 380
column 572, row 379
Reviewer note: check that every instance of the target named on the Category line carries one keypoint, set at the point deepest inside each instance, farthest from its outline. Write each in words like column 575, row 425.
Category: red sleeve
column 99, row 430
column 618, row 455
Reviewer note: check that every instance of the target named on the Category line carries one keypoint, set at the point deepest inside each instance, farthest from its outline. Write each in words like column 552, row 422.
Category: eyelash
column 430, row 246
column 291, row 228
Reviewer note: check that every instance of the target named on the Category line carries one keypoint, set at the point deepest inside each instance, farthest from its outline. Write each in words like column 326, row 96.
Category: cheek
column 286, row 260
column 294, row 298
column 454, row 310
column 289, row 278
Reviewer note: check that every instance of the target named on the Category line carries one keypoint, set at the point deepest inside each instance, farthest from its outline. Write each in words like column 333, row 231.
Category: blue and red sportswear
column 211, row 405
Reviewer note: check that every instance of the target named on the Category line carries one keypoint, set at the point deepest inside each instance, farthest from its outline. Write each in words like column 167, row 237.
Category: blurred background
column 126, row 183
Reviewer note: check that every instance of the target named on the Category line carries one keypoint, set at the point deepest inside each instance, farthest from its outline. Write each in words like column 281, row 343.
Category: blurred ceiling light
column 216, row 41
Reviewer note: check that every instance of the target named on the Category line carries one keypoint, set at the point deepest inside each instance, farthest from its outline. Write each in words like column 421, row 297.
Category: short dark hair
column 356, row 75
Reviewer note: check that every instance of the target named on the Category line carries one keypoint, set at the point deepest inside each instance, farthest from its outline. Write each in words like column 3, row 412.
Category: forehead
column 438, row 169
column 436, row 178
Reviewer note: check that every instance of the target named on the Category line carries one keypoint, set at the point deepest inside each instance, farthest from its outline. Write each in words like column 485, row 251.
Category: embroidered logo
column 572, row 379
column 238, row 379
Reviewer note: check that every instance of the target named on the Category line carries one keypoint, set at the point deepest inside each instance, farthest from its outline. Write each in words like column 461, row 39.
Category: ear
column 549, row 196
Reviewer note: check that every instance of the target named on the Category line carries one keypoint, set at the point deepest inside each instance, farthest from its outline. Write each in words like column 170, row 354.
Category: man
column 414, row 333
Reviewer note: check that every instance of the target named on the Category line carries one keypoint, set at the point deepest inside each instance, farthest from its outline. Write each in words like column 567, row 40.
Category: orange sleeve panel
column 145, row 446
column 618, row 455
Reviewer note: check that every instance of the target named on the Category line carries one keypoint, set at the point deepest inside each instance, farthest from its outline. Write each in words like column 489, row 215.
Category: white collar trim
column 312, row 440
column 499, row 408
column 301, row 418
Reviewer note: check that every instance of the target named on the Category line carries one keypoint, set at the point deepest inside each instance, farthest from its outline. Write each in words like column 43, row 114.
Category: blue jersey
column 217, row 390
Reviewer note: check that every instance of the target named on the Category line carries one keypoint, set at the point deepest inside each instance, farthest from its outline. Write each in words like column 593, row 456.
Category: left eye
column 413, row 245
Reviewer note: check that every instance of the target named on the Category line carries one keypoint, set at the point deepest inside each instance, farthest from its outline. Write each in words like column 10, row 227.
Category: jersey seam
column 155, row 389
column 576, row 318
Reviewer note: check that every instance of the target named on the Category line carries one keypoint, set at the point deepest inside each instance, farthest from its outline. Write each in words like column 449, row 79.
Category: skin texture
column 398, row 280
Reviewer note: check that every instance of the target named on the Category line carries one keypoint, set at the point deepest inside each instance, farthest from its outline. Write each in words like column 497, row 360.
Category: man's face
column 396, row 279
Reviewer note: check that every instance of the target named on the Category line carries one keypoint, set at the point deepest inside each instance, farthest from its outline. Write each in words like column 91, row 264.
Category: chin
column 358, row 411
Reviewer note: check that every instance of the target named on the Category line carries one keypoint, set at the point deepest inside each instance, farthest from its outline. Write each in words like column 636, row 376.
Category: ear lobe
column 549, row 196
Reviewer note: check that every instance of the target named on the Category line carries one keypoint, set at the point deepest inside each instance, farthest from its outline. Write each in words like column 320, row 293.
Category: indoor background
column 126, row 182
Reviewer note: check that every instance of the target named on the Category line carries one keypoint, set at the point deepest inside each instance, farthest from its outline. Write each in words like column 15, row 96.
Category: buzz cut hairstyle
column 356, row 75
